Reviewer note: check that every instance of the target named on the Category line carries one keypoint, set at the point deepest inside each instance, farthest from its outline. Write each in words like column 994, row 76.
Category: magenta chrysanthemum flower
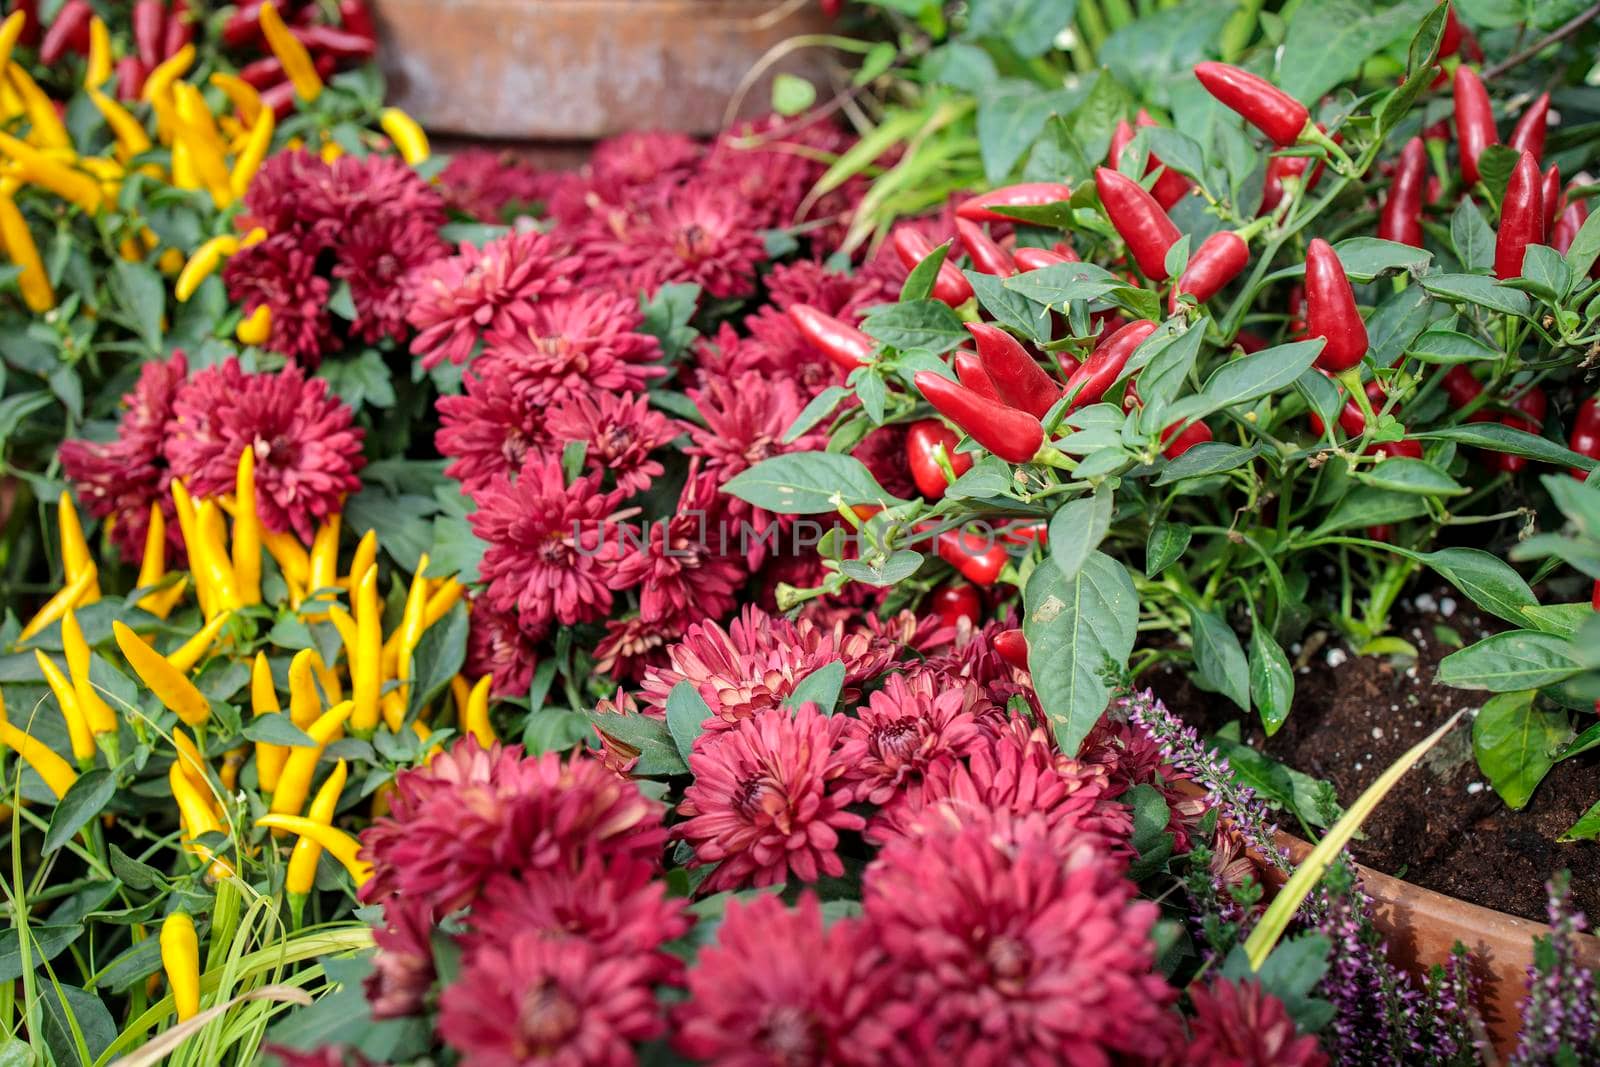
column 883, row 452
column 376, row 254
column 118, row 480
column 551, row 547
column 644, row 157
column 490, row 430
column 472, row 813
column 497, row 645
column 725, row 355
column 632, row 646
column 402, row 969
column 1005, row 950
column 459, row 298
column 683, row 572
column 531, row 999
column 768, row 800
column 577, row 344
column 619, row 430
column 307, row 451
column 902, row 730
column 778, row 988
column 289, row 192
column 1239, row 1024
column 487, row 184
column 700, row 232
column 771, row 164
column 1134, row 758
column 281, row 274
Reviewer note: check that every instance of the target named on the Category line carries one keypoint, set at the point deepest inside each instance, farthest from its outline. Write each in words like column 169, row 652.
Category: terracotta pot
column 583, row 69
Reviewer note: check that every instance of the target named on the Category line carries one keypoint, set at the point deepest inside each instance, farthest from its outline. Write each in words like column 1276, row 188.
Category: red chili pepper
column 1015, row 436
column 923, row 442
column 987, row 256
column 69, row 32
column 1457, row 38
column 1296, row 307
column 976, row 558
column 1530, row 131
column 1585, row 439
column 1171, row 186
column 1568, row 225
column 955, row 602
column 845, row 346
column 1532, row 403
column 1097, row 374
column 1032, row 533
column 1595, row 602
column 1460, row 386
column 1250, row 342
column 1028, row 194
column 1144, row 227
column 1521, row 218
column 1175, row 446
column 1331, row 310
column 1260, row 103
column 180, row 29
column 1588, row 417
column 1028, row 259
column 263, row 73
column 149, row 24
column 30, row 27
column 131, row 73
column 912, row 246
column 279, row 97
column 356, row 16
column 342, row 44
column 1351, row 419
column 1405, row 447
column 1279, row 168
column 1013, row 648
column 1021, row 382
column 1553, row 197
column 1218, row 261
column 1402, row 210
column 244, row 25
column 1475, row 129
column 970, row 372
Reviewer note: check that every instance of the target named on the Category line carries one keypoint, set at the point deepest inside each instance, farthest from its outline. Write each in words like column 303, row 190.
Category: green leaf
column 1165, row 546
column 1471, row 236
column 1058, row 285
column 1011, row 115
column 1367, row 505
column 276, row 729
column 808, row 483
column 1152, row 843
column 140, row 290
column 900, row 565
column 1365, row 258
column 47, row 941
column 1010, row 308
column 916, row 324
column 1076, row 530
column 1083, row 628
column 1516, row 744
column 821, row 687
column 1292, row 973
column 1029, row 27
column 650, row 737
column 1167, row 364
column 686, row 716
column 1498, row 437
column 1271, row 678
column 1402, row 474
column 439, row 657
column 1310, row 800
column 1585, row 247
column 1506, row 662
column 1205, row 459
column 1476, row 289
column 1495, row 164
column 667, row 315
column 1257, row 375
column 791, row 94
column 68, row 1008
column 87, row 797
column 1586, row 828
column 1546, row 272
column 919, row 283
column 814, row 412
column 1420, row 58
column 1486, row 580
column 1329, row 41
column 361, row 381
column 1219, row 661
column 1445, row 347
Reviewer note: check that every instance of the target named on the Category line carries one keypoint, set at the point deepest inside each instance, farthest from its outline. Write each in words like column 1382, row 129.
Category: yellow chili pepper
column 304, row 702
column 412, row 624
column 46, row 129
column 232, row 760
column 206, row 259
column 289, row 554
column 192, row 651
column 198, row 818
column 75, row 555
column 78, row 732
column 158, row 83
column 291, row 53
column 264, row 701
column 184, row 173
column 340, row 845
column 477, row 721
column 246, row 529
column 170, row 261
column 244, row 97
column 98, row 68
column 302, row 873
column 34, row 281
column 460, row 690
column 347, row 632
column 192, row 764
column 408, row 137
column 169, row 684
column 332, row 688
column 325, row 555
column 37, row 168
column 330, row 151
column 366, row 554
column 10, row 30
column 197, row 127
column 180, row 958
column 256, row 327
column 295, row 781
column 366, row 663
column 250, row 157
column 69, row 596
column 56, row 772
column 101, row 719
column 393, row 707
column 153, row 568
column 208, row 549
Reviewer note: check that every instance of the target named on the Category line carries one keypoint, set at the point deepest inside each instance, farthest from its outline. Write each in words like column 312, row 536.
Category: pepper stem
column 1341, row 160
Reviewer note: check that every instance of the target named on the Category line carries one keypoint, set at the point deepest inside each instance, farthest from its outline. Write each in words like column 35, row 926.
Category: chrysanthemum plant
column 1294, row 432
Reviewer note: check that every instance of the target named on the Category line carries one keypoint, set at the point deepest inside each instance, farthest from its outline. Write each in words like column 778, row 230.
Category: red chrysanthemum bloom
column 472, row 813
column 617, row 905
column 402, row 969
column 377, row 253
column 322, row 1056
column 576, row 344
column 644, row 157
column 619, row 430
column 1006, row 950
column 455, row 300
column 883, row 453
column 551, row 547
column 281, row 273
column 119, row 480
column 1239, row 1024
column 307, row 451
column 487, row 184
column 745, row 422
column 778, row 988
column 497, row 645
column 632, row 646
column 805, row 281
column 768, row 800
column 701, row 232
column 682, row 570
column 903, row 729
column 489, row 430
column 289, row 192
column 1134, row 758
column 558, row 1002
column 725, row 354
column 772, row 164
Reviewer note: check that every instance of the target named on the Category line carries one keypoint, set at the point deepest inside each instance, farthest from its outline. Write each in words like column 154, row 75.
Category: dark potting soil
column 1442, row 827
